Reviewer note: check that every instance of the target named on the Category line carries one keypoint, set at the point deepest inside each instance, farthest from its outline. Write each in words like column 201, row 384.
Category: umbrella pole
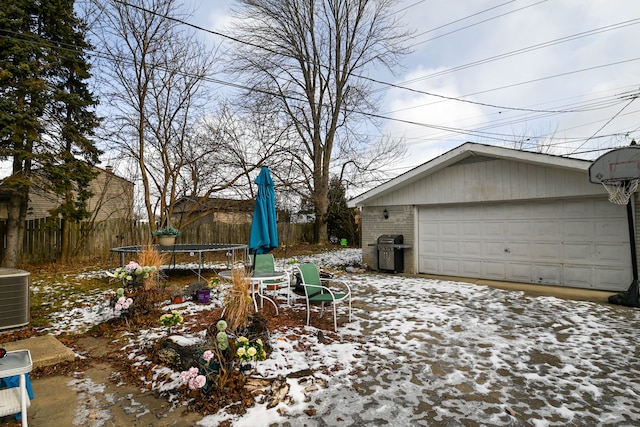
column 286, row 245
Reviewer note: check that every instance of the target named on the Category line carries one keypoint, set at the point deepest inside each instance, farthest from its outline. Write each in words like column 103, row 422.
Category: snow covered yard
column 434, row 352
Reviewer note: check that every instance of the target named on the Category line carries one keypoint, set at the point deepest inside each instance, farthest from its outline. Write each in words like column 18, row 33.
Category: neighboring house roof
column 195, row 204
column 112, row 197
column 468, row 152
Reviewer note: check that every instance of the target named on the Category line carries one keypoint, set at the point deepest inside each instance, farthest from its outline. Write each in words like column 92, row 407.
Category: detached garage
column 488, row 212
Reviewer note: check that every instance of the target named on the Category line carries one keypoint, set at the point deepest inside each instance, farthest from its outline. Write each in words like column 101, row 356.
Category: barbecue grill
column 391, row 253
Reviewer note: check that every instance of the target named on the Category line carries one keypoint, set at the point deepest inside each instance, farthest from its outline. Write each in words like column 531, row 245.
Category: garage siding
column 571, row 242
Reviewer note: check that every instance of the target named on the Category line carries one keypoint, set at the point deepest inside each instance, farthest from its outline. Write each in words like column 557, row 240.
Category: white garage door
column 579, row 243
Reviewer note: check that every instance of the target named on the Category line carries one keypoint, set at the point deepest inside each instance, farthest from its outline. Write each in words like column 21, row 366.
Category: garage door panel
column 578, row 251
column 545, row 230
column 494, row 270
column 611, row 253
column 429, row 230
column 578, row 275
column 430, row 263
column 450, row 266
column 581, row 231
column 521, row 272
column 519, row 229
column 610, row 279
column 449, row 230
column 546, row 251
column 544, row 210
column 471, row 249
column 577, row 208
column 450, row 248
column 606, row 231
column 471, row 229
column 519, row 250
column 471, row 268
column 547, row 274
column 494, row 230
column 494, row 250
column 582, row 243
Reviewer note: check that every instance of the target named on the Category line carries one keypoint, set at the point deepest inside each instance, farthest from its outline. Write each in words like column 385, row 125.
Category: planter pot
column 203, row 296
column 166, row 240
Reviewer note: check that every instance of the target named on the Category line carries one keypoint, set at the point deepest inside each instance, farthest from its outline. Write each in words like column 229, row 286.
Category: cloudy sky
column 562, row 74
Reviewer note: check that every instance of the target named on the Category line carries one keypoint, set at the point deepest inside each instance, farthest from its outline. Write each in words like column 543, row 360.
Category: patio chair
column 266, row 262
column 316, row 291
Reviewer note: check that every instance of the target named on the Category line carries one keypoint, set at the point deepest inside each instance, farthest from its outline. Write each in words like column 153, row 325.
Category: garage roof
column 468, row 150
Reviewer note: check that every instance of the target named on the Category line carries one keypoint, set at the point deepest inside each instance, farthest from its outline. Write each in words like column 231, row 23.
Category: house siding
column 112, row 199
column 491, row 180
column 401, row 221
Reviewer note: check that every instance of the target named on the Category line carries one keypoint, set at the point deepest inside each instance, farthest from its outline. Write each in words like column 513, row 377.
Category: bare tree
column 308, row 57
column 155, row 86
column 222, row 155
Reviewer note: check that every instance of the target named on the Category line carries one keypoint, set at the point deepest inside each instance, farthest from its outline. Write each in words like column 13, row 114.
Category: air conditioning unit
column 14, row 298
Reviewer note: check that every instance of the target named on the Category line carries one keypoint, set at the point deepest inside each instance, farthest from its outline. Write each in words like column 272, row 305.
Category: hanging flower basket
column 166, row 240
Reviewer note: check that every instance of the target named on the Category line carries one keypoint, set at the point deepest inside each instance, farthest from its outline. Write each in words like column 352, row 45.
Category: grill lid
column 390, row 239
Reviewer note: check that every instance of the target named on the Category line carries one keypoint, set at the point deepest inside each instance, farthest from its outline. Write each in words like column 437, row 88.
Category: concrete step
column 45, row 350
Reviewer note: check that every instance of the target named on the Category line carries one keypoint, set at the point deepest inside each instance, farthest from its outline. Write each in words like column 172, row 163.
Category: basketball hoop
column 620, row 190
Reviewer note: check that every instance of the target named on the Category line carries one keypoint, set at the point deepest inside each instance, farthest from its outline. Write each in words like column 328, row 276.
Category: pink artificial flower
column 198, row 382
column 184, row 376
column 118, row 307
column 207, row 355
column 132, row 265
column 193, row 372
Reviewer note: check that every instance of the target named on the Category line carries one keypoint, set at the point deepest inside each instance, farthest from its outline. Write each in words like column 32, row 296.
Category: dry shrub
column 149, row 256
column 238, row 301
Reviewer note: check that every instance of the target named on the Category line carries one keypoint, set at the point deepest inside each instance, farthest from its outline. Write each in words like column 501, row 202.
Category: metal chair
column 316, row 292
column 266, row 262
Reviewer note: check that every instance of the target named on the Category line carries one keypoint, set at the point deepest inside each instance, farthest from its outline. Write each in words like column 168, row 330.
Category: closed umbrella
column 264, row 232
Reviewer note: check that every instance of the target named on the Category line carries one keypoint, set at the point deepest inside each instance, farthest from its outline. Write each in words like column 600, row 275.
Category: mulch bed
column 236, row 397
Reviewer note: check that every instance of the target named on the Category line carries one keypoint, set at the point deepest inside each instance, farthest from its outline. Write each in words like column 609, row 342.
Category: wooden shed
column 488, row 212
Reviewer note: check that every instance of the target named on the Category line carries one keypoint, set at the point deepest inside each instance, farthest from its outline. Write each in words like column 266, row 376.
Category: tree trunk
column 322, row 209
column 15, row 230
column 65, row 229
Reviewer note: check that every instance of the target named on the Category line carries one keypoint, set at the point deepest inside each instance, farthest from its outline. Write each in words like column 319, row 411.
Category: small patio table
column 15, row 399
column 257, row 279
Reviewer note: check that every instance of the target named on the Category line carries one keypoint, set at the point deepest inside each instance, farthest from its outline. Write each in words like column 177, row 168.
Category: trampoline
column 231, row 250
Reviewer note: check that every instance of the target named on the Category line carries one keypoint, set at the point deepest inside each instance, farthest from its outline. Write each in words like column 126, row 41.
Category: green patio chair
column 316, row 291
column 266, row 262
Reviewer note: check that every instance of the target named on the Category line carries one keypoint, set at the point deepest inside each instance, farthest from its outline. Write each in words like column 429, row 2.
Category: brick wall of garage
column 401, row 221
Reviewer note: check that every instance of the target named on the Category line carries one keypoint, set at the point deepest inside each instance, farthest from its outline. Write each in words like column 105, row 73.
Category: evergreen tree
column 340, row 219
column 46, row 111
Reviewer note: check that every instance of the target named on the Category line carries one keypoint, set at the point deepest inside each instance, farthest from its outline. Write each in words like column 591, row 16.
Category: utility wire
column 527, row 49
column 474, row 24
column 608, row 121
column 461, row 98
column 400, row 86
column 449, row 129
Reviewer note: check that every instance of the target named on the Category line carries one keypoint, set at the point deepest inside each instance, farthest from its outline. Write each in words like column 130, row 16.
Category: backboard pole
column 633, row 289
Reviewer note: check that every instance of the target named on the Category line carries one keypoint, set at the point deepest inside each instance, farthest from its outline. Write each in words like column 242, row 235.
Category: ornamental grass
column 150, row 257
column 238, row 302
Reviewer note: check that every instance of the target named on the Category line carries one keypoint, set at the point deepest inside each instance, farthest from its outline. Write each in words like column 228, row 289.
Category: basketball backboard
column 621, row 164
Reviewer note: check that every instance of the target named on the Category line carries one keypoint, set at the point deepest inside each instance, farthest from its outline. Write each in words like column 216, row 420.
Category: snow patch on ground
column 432, row 352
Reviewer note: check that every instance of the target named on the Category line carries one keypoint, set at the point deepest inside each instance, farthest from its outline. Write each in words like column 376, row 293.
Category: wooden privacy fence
column 42, row 237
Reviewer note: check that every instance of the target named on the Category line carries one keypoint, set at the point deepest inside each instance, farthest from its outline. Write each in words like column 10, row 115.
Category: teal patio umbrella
column 264, row 232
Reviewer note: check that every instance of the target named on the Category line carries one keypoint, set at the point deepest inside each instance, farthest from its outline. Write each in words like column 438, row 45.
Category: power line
column 527, row 49
column 496, row 136
column 461, row 98
column 400, row 86
column 474, row 24
column 608, row 121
